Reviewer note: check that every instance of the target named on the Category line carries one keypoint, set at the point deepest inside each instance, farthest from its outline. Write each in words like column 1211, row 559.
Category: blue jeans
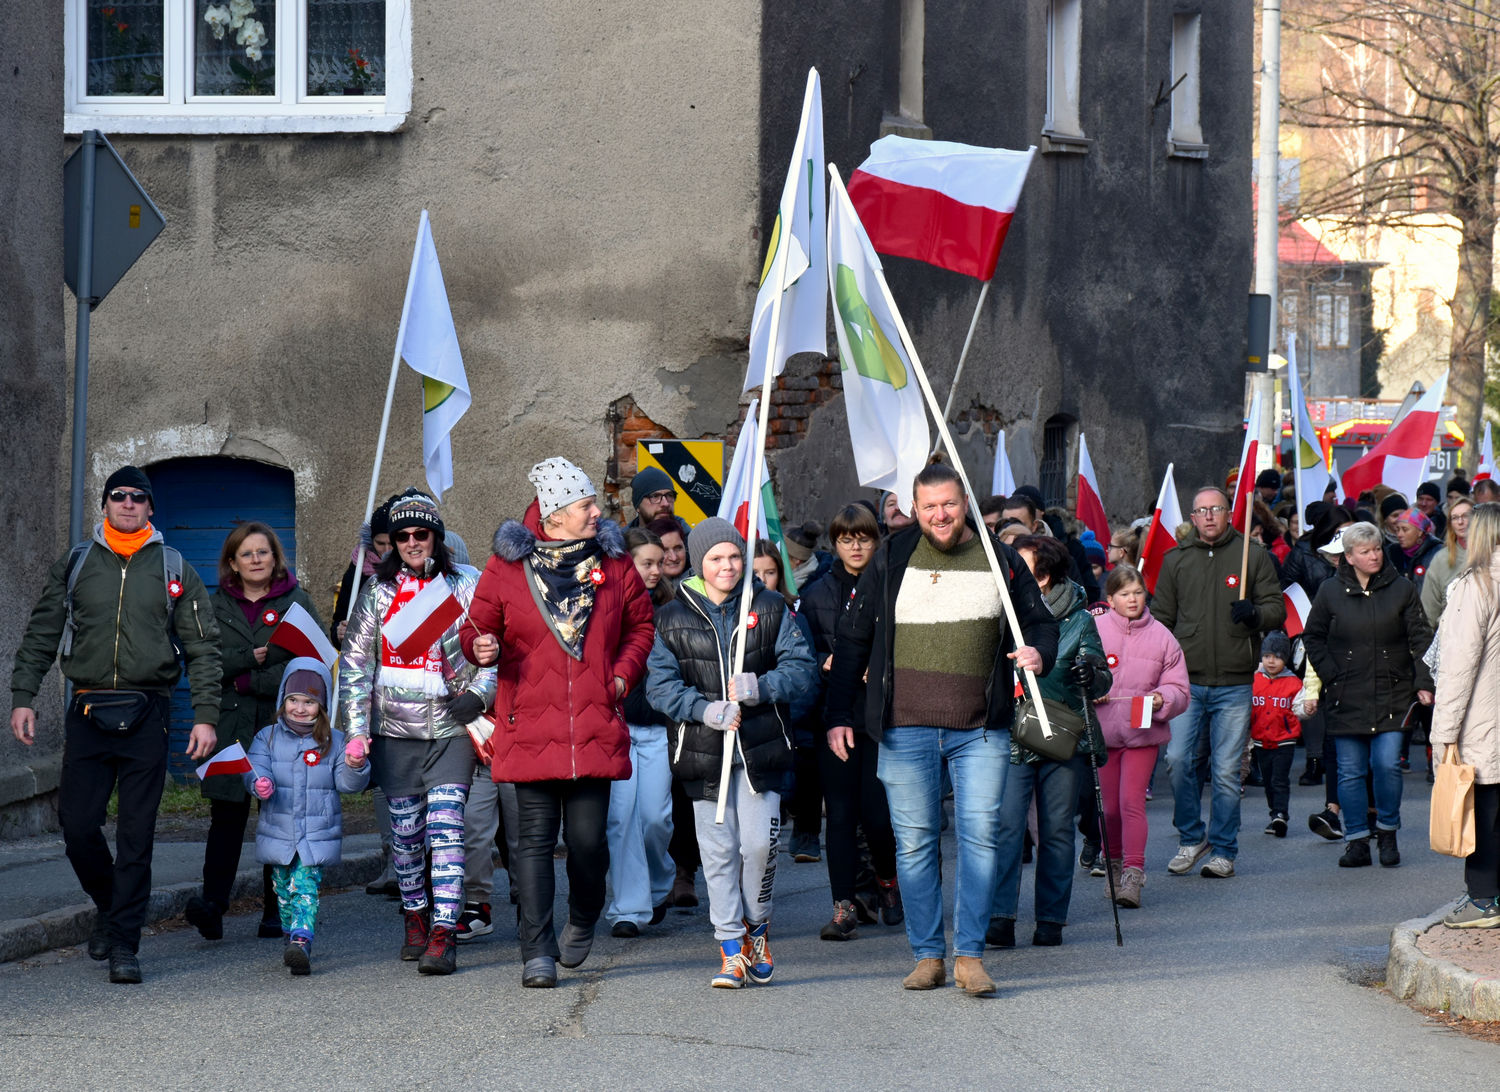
column 1224, row 713
column 1358, row 756
column 1055, row 785
column 639, row 829
column 911, row 766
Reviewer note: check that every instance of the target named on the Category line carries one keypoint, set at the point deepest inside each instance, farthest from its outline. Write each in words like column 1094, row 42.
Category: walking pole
column 1089, row 724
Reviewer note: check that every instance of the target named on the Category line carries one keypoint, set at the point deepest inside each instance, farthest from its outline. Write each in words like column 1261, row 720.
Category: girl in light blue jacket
column 299, row 767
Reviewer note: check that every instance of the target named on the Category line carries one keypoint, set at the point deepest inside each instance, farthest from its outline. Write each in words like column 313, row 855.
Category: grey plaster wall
column 33, row 371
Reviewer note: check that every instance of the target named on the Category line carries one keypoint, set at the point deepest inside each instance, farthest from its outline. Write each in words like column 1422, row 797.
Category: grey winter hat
column 647, row 481
column 558, row 484
column 1276, row 643
column 706, row 536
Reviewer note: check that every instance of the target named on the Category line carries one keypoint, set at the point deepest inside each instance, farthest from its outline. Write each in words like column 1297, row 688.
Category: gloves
column 745, row 688
column 466, row 707
column 722, row 716
column 1242, row 612
column 356, row 749
column 264, row 788
column 1081, row 674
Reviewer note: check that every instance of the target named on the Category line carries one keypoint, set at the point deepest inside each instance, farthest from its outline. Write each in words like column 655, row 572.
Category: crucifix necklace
column 935, row 577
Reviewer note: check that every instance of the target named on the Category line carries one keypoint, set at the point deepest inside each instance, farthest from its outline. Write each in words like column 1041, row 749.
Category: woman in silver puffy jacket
column 406, row 689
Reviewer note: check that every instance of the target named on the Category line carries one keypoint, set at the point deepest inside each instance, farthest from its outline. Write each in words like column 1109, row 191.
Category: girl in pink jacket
column 1150, row 688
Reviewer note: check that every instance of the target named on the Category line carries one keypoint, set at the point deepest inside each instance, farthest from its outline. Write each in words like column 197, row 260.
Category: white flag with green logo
column 428, row 342
column 887, row 419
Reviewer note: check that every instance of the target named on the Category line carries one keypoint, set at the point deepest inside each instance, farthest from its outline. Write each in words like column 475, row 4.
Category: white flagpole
column 964, row 352
column 1295, row 381
column 989, row 547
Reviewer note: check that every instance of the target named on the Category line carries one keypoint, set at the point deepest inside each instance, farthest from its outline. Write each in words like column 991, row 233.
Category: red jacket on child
column 1273, row 722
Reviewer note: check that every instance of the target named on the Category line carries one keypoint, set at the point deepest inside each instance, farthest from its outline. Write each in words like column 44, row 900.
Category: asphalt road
column 1261, row 981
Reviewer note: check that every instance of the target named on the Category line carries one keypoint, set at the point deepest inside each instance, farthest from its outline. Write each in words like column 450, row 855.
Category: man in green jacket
column 130, row 612
column 1218, row 624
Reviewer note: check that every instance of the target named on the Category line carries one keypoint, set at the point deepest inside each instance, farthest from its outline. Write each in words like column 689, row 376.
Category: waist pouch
column 116, row 712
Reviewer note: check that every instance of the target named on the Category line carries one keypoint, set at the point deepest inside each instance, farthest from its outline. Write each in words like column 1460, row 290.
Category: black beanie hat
column 1268, row 479
column 414, row 509
column 1277, row 644
column 647, row 481
column 1393, row 504
column 1459, row 485
column 380, row 519
column 127, row 477
column 1430, row 489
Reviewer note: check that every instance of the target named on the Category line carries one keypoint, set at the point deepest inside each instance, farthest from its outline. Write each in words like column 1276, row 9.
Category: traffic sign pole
column 81, row 340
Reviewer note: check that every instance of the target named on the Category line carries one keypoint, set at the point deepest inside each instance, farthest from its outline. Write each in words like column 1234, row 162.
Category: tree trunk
column 1471, row 313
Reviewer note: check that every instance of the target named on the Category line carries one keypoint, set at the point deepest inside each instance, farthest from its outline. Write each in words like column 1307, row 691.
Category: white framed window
column 1185, row 133
column 237, row 66
column 913, row 49
column 1323, row 321
column 1064, row 43
column 1341, row 322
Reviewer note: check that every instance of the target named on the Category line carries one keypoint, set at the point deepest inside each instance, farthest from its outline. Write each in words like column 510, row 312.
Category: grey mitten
column 745, row 687
column 721, row 716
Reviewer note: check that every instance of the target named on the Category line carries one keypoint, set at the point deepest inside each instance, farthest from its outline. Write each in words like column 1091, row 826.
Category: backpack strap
column 75, row 563
column 171, row 562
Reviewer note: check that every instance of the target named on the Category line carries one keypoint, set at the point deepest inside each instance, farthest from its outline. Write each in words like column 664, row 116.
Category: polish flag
column 231, row 760
column 1486, row 468
column 1161, row 536
column 1298, row 607
column 1090, row 507
column 1244, row 485
column 1002, row 478
column 1400, row 460
column 422, row 619
column 939, row 202
column 299, row 633
column 1140, row 712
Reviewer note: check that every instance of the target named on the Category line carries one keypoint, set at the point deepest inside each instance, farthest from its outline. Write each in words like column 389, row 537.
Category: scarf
column 560, row 583
column 251, row 608
column 366, row 559
column 1059, row 599
column 126, row 543
column 297, row 728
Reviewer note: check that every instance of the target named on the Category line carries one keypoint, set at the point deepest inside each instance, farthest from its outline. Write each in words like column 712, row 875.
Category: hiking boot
column 731, row 974
column 867, row 907
column 625, row 929
column 970, row 976
column 574, row 944
column 755, row 948
column 441, row 956
column 124, row 968
column 1048, row 934
column 889, row 894
column 1088, row 855
column 683, row 893
column 1100, row 867
column 416, row 934
column 806, row 849
column 1218, row 867
column 539, row 973
column 1128, row 890
column 297, row 955
column 1116, row 870
column 474, row 922
column 1474, row 915
column 843, row 924
column 1001, row 933
column 385, row 883
column 1356, row 853
column 1385, row 841
column 1186, row 857
column 99, row 942
column 1277, row 826
column 928, row 974
column 205, row 917
column 1327, row 824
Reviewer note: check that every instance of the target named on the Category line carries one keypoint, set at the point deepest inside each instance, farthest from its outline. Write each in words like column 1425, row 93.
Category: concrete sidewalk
column 1434, row 983
column 42, row 905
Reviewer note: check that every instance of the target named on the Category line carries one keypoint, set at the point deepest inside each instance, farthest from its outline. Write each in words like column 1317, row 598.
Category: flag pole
column 1295, row 407
column 985, row 540
column 964, row 352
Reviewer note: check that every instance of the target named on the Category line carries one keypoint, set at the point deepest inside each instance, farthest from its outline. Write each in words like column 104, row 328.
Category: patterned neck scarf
column 560, row 578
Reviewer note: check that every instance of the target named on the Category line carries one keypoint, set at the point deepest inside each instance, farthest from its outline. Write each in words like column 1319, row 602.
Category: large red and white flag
column 299, row 633
column 231, row 760
column 1161, row 536
column 422, row 619
column 1090, row 506
column 1298, row 607
column 1400, row 460
column 1244, row 485
column 939, row 202
column 1486, row 468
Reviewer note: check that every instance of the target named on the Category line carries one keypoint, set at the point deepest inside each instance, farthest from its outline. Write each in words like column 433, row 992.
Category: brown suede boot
column 969, row 975
column 928, row 975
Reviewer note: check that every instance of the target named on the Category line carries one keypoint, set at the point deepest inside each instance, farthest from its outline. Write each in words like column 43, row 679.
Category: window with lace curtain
column 237, row 65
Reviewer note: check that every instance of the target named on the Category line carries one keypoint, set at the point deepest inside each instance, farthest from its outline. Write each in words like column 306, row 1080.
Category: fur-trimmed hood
column 515, row 539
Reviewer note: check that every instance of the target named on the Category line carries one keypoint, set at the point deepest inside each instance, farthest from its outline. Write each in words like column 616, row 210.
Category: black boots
column 1313, row 775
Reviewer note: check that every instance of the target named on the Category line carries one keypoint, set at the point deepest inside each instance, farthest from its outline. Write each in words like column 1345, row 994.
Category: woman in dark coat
column 1365, row 637
column 255, row 590
column 1415, row 546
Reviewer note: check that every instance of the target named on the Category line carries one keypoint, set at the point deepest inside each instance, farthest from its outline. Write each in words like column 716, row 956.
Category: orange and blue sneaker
column 755, row 950
column 731, row 975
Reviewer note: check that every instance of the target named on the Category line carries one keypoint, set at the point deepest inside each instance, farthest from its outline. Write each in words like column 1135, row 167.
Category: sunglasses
column 119, row 496
column 421, row 534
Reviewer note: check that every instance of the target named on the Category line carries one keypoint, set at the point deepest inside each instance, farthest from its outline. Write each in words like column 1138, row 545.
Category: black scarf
column 559, row 577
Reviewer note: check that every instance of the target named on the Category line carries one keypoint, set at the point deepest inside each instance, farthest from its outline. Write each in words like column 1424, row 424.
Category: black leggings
column 582, row 807
column 807, row 790
column 855, row 797
column 1482, row 867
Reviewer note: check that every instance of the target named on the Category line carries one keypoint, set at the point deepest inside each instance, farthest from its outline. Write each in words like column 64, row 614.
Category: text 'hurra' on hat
column 558, row 484
column 414, row 509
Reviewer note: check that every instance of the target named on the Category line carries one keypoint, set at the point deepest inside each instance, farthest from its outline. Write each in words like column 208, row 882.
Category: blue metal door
column 197, row 502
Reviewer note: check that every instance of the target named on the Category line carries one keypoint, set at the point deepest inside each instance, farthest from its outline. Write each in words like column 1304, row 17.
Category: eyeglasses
column 119, row 496
column 252, row 555
column 853, row 540
column 1209, row 510
column 663, row 495
column 421, row 534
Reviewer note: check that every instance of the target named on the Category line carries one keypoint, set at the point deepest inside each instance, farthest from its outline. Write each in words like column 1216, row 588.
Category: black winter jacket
column 866, row 638
column 1414, row 568
column 1306, row 568
column 822, row 604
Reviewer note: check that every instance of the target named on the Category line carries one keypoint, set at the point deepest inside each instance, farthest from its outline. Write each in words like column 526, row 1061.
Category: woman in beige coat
column 1467, row 709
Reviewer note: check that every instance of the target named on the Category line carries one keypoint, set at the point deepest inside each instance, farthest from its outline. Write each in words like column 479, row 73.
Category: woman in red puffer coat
column 562, row 613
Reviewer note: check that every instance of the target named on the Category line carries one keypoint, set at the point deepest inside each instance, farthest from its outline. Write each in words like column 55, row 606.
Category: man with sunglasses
column 653, row 495
column 112, row 611
column 1218, row 624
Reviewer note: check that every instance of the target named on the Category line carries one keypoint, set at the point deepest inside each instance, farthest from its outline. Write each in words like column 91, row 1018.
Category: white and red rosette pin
column 596, row 576
column 1420, row 569
column 174, row 588
column 312, row 758
column 1232, row 580
column 270, row 617
column 752, row 620
column 1112, row 660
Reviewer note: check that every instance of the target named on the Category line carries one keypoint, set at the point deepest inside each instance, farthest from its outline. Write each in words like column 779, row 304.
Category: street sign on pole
column 125, row 221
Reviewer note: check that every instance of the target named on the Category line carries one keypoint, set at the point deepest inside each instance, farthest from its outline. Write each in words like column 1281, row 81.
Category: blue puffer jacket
column 303, row 817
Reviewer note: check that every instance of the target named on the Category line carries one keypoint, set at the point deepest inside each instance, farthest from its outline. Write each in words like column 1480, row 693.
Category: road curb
column 70, row 926
column 1413, row 975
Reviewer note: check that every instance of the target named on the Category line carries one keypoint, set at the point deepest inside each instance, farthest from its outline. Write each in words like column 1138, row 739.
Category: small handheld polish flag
column 299, row 634
column 231, row 760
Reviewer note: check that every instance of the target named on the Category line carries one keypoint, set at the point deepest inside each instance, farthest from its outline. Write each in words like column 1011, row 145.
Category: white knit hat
column 558, row 484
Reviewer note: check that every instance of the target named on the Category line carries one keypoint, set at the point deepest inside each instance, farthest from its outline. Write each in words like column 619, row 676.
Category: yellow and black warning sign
column 696, row 467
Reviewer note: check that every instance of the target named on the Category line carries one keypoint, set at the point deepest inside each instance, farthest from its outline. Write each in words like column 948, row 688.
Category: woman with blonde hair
column 1447, row 563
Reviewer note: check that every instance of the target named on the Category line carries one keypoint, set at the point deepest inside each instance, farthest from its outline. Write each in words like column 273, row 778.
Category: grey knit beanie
column 558, row 484
column 706, row 536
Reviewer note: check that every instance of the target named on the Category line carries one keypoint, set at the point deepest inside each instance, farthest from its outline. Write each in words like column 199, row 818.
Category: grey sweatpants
column 739, row 857
column 488, row 802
